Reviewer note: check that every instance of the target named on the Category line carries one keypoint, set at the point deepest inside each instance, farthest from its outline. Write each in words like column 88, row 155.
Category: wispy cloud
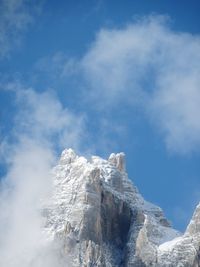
column 41, row 126
column 149, row 65
column 15, row 17
column 42, row 116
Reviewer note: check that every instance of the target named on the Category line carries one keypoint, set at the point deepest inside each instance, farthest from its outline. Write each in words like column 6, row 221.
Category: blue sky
column 102, row 77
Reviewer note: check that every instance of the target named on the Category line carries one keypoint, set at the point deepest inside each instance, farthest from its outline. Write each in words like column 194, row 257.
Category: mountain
column 97, row 218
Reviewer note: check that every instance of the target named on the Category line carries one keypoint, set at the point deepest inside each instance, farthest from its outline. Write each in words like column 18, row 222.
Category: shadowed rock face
column 115, row 220
column 99, row 219
column 116, row 217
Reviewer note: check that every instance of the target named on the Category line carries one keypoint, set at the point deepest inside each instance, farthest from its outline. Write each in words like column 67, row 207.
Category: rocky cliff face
column 97, row 218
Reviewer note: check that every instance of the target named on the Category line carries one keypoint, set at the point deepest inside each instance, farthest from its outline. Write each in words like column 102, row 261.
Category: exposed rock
column 99, row 219
column 118, row 160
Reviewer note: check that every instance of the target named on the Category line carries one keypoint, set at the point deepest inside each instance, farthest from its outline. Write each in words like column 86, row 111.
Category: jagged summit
column 98, row 218
column 117, row 160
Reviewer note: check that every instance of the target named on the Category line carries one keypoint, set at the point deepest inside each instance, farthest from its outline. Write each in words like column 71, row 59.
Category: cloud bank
column 42, row 125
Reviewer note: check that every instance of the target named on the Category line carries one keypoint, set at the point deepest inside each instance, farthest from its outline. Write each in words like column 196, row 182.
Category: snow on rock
column 98, row 218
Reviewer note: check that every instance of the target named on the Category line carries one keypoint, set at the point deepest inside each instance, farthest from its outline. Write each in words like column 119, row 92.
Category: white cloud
column 50, row 120
column 15, row 16
column 176, row 108
column 148, row 64
column 20, row 223
column 41, row 125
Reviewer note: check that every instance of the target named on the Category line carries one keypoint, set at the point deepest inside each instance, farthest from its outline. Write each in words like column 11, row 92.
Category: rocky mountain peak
column 68, row 156
column 98, row 218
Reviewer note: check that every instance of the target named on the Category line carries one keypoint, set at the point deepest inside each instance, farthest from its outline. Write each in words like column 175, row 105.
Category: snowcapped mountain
column 97, row 218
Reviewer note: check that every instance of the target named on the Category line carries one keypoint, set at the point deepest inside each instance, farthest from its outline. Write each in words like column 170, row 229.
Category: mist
column 42, row 127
